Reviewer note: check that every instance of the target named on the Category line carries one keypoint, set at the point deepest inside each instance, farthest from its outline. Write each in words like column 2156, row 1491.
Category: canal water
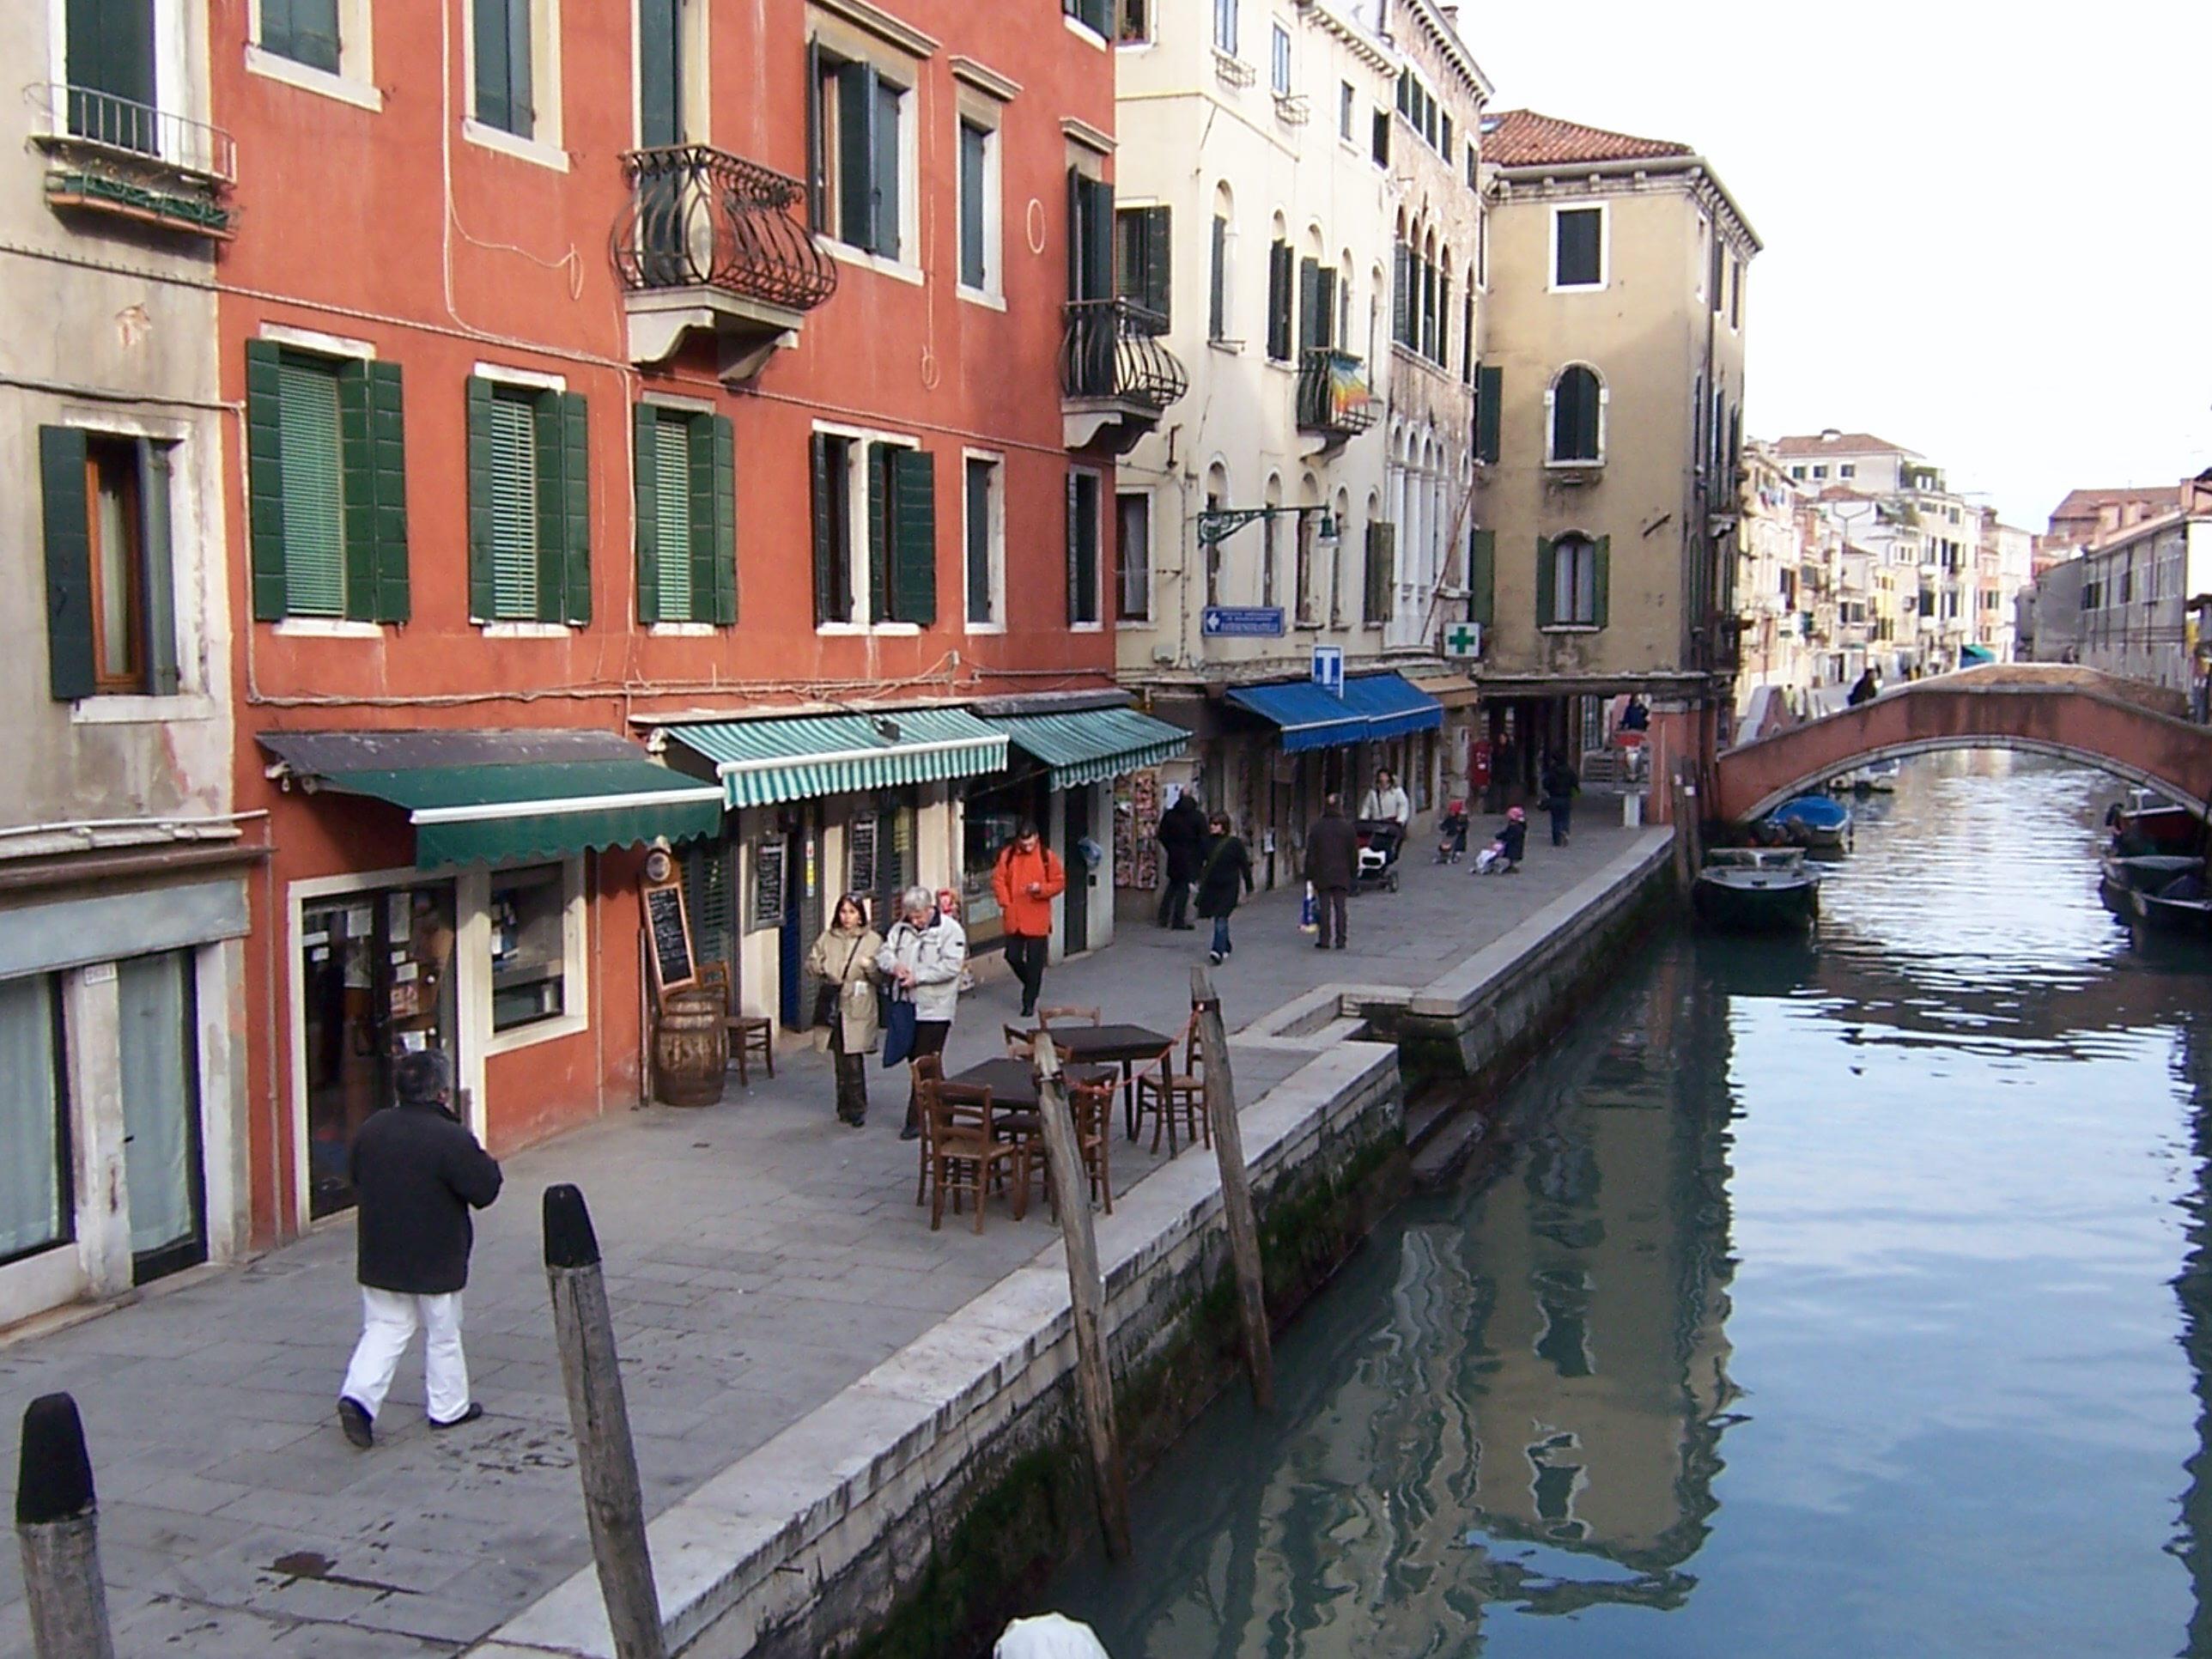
column 1846, row 1297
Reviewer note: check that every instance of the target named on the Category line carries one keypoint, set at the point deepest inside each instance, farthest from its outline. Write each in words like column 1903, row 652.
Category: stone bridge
column 2122, row 726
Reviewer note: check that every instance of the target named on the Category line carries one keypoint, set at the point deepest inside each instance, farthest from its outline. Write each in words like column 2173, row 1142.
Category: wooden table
column 1122, row 1045
column 1013, row 1083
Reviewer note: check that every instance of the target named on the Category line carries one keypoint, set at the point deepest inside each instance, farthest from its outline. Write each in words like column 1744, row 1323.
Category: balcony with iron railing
column 1334, row 399
column 1116, row 376
column 121, row 159
column 711, row 242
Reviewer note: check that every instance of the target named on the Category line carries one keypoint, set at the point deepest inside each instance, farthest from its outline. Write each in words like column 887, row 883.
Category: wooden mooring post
column 57, row 1530
column 606, row 1459
column 1236, row 1187
column 1086, row 1289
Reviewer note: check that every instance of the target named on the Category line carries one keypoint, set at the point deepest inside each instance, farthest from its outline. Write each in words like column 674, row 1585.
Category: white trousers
column 388, row 1320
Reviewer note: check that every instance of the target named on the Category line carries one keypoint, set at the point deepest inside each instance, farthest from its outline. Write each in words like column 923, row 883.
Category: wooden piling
column 1236, row 1187
column 57, row 1531
column 1094, row 1379
column 606, row 1459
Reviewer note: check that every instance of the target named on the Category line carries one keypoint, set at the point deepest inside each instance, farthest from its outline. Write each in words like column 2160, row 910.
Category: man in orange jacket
column 1027, row 880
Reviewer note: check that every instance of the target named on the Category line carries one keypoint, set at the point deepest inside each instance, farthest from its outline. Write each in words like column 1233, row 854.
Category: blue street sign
column 1242, row 622
column 1329, row 668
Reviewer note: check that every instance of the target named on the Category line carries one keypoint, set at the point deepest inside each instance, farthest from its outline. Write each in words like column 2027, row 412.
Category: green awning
column 488, row 797
column 763, row 761
column 1092, row 745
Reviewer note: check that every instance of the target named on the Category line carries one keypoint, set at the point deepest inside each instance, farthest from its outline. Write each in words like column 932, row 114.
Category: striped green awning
column 1092, row 745
column 763, row 761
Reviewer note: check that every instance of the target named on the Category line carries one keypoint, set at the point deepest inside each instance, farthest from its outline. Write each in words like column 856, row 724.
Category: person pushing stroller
column 1503, row 856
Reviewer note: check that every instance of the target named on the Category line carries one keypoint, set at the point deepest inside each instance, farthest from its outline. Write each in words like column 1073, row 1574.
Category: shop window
column 159, row 1066
column 36, row 1206
column 529, row 946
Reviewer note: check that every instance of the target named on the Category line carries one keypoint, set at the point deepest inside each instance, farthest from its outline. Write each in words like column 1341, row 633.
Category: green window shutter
column 1545, row 582
column 645, row 472
column 1604, row 582
column 827, row 587
column 566, row 413
column 1382, row 570
column 1098, row 246
column 1489, row 392
column 972, row 143
column 1159, row 273
column 1325, row 323
column 1444, row 321
column 264, row 479
column 1075, row 184
column 69, row 562
column 1278, row 300
column 1401, row 294
column 521, row 99
column 158, row 570
column 856, row 148
column 305, row 31
column 879, row 532
column 1482, row 576
column 484, row 584
column 659, row 72
column 885, row 167
column 387, row 437
column 357, row 516
column 110, row 48
column 818, row 169
column 1308, row 304
column 975, row 516
column 678, row 578
column 1074, row 554
column 720, row 524
column 312, row 488
column 495, row 107
column 1217, row 326
column 913, row 597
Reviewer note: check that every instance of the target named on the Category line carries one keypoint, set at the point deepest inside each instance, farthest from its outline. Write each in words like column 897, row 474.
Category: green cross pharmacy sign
column 1464, row 639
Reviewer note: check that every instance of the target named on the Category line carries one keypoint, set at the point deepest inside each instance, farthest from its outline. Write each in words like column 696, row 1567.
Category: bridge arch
column 2073, row 714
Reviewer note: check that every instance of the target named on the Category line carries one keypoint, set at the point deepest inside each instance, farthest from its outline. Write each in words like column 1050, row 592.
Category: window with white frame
column 980, row 257
column 860, row 158
column 37, row 1204
column 1279, row 60
column 1133, row 22
column 983, row 513
column 110, row 600
column 1346, row 109
column 1132, row 517
column 1571, row 584
column 530, row 945
column 1578, row 249
column 513, row 48
column 1576, row 406
column 874, row 511
column 1084, row 507
column 1224, row 26
column 330, row 35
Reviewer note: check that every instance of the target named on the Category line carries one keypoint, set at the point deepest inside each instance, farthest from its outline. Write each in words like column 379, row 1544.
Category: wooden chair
column 1020, row 1044
column 966, row 1153
column 749, row 1034
column 929, row 1078
column 1163, row 1092
column 1066, row 1013
column 1091, row 1106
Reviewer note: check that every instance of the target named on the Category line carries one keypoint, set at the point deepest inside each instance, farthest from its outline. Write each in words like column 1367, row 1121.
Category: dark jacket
column 1225, row 875
column 1181, row 836
column 1514, row 838
column 1560, row 784
column 417, row 1173
column 1863, row 691
column 1332, row 851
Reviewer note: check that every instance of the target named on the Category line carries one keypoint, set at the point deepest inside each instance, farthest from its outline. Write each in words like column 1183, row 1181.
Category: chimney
column 1830, row 435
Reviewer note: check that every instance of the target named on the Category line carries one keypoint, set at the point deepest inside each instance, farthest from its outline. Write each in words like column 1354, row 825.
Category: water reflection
column 1823, row 1309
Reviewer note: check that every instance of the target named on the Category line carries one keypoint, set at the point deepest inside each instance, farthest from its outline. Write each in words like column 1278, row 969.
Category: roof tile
column 1521, row 137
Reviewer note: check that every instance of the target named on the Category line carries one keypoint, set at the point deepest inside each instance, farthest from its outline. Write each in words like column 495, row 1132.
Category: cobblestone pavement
column 760, row 1258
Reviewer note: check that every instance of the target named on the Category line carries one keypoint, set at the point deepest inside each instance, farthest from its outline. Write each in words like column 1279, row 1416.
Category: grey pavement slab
column 761, row 1259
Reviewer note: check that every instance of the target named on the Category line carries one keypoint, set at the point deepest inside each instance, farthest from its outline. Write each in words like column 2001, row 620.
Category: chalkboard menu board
column 862, row 836
column 769, row 875
column 670, row 931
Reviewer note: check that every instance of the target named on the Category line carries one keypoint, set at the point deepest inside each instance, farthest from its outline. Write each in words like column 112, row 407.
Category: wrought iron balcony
column 1116, row 375
column 712, row 241
column 1334, row 397
column 116, row 156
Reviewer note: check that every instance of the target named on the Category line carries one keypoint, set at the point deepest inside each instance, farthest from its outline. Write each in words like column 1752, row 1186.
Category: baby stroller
column 1503, row 856
column 1451, row 831
column 1380, row 840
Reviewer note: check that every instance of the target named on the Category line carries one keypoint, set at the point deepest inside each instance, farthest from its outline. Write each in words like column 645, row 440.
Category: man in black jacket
column 417, row 1173
column 1181, row 836
column 1332, row 859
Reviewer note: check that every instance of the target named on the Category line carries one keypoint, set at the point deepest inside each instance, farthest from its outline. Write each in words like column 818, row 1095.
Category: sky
column 1988, row 227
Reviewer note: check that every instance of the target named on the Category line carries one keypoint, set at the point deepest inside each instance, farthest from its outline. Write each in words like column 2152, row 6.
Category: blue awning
column 1373, row 707
column 1394, row 705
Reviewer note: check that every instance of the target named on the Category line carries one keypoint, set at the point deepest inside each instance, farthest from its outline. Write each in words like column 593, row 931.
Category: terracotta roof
column 2080, row 502
column 1520, row 138
column 1843, row 443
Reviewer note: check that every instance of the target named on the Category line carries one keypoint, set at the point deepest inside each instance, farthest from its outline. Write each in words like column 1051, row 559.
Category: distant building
column 2135, row 616
column 2087, row 517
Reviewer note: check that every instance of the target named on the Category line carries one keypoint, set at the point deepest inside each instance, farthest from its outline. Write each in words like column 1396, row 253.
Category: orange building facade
column 660, row 422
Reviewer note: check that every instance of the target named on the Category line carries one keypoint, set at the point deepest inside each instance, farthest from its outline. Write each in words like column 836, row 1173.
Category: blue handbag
column 898, row 1031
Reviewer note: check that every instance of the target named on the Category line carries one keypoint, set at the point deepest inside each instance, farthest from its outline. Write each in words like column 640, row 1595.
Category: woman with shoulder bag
column 844, row 961
column 922, row 958
column 1225, row 878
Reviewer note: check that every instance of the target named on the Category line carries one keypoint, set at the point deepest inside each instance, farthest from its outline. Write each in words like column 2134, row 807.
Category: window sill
column 539, row 1030
column 986, row 627
column 846, row 253
column 326, row 628
column 984, row 297
column 1133, row 625
column 683, row 630
column 1595, row 465
column 1577, row 288
column 1086, row 628
column 363, row 95
column 535, row 151
column 1083, row 32
column 108, row 710
column 1228, row 348
column 897, row 630
column 862, row 630
column 525, row 630
column 1569, row 627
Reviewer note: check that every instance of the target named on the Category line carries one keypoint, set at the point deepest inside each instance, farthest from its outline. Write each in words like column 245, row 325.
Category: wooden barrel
column 690, row 1048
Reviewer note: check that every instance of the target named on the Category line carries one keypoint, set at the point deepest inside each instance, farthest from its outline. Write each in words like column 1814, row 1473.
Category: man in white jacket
column 922, row 958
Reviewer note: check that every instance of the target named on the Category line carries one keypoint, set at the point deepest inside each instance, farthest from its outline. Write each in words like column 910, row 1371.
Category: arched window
column 1270, row 537
column 1217, row 497
column 1577, row 400
column 1225, row 236
column 1572, row 581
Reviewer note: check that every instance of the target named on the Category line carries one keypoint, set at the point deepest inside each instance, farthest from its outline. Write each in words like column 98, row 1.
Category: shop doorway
column 161, row 1152
column 377, row 980
column 1075, row 903
column 802, row 924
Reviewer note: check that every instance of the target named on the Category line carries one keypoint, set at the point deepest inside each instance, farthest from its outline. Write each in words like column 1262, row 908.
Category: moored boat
column 1813, row 821
column 2177, row 916
column 2148, row 822
column 1756, row 889
column 2148, row 872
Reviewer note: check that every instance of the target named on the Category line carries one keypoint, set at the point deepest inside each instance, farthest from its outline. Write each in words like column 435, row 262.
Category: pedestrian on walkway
column 1228, row 863
column 1503, row 856
column 843, row 961
column 1385, row 802
column 417, row 1173
column 1332, row 856
column 1561, row 786
column 1181, row 836
column 1866, row 689
column 1027, row 877
column 922, row 957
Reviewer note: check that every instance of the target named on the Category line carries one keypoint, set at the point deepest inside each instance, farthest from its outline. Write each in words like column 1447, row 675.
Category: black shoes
column 354, row 1418
column 912, row 1131
column 475, row 1411
column 1214, row 957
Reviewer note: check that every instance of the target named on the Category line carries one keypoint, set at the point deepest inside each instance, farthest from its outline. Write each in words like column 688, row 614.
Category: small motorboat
column 1813, row 821
column 1756, row 889
column 2147, row 873
column 2181, row 911
column 2146, row 822
column 1877, row 778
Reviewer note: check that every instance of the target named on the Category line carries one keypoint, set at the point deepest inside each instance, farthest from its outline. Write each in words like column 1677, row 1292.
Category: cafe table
column 1121, row 1045
column 1013, row 1083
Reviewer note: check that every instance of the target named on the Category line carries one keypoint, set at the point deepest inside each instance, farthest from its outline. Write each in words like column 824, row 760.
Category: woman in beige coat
column 844, row 961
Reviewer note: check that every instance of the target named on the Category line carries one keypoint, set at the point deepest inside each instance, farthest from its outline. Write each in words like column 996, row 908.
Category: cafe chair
column 1165, row 1092
column 1092, row 1107
column 749, row 1034
column 929, row 1078
column 1020, row 1044
column 966, row 1153
column 1068, row 1014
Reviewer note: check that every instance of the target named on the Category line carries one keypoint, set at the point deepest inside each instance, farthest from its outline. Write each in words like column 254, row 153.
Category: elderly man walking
column 416, row 1174
column 1332, row 859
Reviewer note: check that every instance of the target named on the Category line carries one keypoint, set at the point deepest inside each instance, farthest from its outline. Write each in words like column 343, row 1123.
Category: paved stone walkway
column 760, row 1260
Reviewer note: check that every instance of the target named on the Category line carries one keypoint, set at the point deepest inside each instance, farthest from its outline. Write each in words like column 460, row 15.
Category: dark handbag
column 898, row 1031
